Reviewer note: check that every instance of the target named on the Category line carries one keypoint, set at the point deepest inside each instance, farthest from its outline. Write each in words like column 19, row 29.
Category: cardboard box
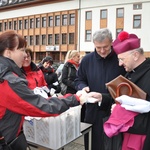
column 54, row 132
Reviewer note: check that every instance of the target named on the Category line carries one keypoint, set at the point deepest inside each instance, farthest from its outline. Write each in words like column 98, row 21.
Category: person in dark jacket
column 95, row 70
column 17, row 100
column 49, row 74
column 131, row 56
column 72, row 61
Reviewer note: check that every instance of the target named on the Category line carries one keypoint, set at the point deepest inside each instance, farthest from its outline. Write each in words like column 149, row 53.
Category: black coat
column 50, row 78
column 69, row 81
column 140, row 76
column 95, row 71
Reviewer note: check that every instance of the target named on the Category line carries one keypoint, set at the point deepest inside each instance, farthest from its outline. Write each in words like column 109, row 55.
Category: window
column 88, row 35
column 137, row 21
column 71, row 19
column 1, row 26
column 88, row 15
column 43, row 39
column 57, row 20
column 31, row 40
column 64, row 38
column 103, row 14
column 50, row 21
column 37, row 22
column 37, row 40
column 71, row 38
column 64, row 20
column 15, row 25
column 43, row 21
column 26, row 24
column 26, row 38
column 5, row 25
column 31, row 23
column 56, row 39
column 118, row 31
column 10, row 25
column 137, row 6
column 50, row 39
column 120, row 12
column 40, row 55
column 20, row 25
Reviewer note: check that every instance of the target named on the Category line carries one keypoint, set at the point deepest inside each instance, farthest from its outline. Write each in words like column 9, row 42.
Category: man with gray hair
column 96, row 69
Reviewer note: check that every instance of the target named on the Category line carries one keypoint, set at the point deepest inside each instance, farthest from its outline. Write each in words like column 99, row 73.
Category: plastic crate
column 54, row 132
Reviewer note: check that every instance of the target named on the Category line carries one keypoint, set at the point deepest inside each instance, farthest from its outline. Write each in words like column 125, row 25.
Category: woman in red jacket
column 16, row 98
column 34, row 75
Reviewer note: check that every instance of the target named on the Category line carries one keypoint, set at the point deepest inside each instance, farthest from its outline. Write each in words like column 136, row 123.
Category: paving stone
column 71, row 146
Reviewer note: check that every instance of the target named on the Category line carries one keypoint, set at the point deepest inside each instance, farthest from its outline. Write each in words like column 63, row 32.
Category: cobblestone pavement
column 74, row 146
column 77, row 145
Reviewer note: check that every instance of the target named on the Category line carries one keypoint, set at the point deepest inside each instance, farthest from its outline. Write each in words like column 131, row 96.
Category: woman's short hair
column 47, row 59
column 10, row 40
column 29, row 51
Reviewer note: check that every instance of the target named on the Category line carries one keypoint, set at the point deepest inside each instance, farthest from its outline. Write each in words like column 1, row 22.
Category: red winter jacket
column 34, row 76
column 17, row 100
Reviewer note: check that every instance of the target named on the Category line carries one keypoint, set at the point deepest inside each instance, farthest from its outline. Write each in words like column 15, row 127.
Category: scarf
column 73, row 63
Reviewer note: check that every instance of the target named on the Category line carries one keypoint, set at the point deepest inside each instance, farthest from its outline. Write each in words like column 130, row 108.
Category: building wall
column 111, row 7
column 80, row 7
column 55, row 7
column 40, row 50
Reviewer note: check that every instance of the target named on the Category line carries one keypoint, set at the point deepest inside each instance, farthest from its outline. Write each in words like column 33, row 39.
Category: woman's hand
column 82, row 96
column 97, row 96
column 92, row 97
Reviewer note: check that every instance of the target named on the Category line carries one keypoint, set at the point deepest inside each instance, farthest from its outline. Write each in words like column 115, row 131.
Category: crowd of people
column 86, row 78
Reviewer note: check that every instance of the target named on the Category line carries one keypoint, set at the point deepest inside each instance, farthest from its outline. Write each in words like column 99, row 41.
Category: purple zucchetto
column 125, row 42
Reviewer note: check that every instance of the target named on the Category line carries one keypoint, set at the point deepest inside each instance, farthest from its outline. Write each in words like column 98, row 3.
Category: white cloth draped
column 134, row 104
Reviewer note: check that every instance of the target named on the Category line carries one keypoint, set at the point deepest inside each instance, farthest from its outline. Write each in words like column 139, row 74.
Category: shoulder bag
column 62, row 85
column 19, row 143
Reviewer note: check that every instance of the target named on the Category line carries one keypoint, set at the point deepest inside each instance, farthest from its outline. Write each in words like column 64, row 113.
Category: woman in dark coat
column 49, row 74
column 68, row 76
